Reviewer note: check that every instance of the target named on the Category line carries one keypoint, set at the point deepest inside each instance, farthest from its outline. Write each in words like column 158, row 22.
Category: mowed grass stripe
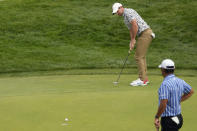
column 42, row 103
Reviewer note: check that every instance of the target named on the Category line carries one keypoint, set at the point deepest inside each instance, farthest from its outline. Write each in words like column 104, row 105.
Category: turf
column 90, row 102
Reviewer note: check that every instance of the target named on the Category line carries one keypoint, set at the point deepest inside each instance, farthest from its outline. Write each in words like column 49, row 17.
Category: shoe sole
column 141, row 85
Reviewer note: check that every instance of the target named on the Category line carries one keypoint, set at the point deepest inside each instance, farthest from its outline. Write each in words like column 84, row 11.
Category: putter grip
column 129, row 51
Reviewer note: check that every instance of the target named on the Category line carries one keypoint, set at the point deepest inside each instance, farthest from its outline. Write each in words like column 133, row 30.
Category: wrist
column 156, row 117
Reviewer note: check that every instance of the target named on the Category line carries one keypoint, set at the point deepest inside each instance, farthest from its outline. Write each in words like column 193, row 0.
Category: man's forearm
column 133, row 30
column 132, row 34
column 161, row 108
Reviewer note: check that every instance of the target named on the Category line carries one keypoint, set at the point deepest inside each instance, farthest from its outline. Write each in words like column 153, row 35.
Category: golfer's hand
column 132, row 44
column 157, row 123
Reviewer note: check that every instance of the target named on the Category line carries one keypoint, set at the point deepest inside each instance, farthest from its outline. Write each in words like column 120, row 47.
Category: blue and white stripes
column 172, row 88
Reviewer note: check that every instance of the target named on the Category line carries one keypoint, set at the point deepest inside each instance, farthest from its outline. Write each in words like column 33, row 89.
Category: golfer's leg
column 145, row 66
column 140, row 64
column 141, row 49
column 139, row 57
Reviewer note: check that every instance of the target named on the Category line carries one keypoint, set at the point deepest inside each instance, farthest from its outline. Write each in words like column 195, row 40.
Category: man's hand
column 157, row 123
column 132, row 44
column 161, row 109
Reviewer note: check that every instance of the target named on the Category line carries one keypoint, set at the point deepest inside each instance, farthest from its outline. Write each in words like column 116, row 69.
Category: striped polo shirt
column 129, row 15
column 172, row 88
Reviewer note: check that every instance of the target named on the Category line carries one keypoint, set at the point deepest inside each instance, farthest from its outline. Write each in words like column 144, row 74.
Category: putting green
column 90, row 102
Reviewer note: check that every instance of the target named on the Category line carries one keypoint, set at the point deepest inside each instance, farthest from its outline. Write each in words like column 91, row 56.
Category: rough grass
column 41, row 35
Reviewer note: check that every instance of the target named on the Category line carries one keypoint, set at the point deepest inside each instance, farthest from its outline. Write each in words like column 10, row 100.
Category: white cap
column 115, row 7
column 167, row 64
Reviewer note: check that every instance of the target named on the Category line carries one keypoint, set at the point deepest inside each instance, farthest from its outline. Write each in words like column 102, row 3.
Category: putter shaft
column 123, row 67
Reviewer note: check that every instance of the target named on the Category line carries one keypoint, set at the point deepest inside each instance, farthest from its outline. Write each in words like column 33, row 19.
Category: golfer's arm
column 162, row 107
column 134, row 29
column 186, row 96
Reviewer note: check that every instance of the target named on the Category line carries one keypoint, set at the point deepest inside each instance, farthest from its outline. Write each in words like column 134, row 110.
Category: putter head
column 115, row 82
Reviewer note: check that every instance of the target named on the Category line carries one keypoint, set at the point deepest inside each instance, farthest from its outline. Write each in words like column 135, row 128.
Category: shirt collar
column 124, row 12
column 169, row 76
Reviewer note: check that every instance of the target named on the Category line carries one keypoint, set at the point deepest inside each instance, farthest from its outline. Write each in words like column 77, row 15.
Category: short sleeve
column 163, row 92
column 187, row 88
column 130, row 17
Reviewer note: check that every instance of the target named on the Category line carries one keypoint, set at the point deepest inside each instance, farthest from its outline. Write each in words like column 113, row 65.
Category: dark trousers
column 167, row 124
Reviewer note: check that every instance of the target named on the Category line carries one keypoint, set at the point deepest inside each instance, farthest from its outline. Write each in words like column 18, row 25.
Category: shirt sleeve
column 130, row 17
column 163, row 92
column 187, row 88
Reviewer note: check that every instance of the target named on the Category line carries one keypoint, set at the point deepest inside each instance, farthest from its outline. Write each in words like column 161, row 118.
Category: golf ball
column 66, row 119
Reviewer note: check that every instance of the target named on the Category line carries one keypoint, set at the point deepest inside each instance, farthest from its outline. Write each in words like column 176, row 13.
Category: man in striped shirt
column 171, row 93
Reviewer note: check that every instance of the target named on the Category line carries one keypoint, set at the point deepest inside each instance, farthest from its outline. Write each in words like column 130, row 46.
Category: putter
column 116, row 82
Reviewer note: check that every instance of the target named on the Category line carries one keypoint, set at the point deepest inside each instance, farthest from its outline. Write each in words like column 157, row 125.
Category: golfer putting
column 137, row 27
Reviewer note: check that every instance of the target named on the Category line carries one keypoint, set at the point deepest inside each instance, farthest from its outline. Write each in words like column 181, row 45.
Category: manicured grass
column 44, row 44
column 39, row 35
column 90, row 102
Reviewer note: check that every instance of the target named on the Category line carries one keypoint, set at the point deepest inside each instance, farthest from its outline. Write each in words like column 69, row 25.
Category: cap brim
column 159, row 66
column 114, row 12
